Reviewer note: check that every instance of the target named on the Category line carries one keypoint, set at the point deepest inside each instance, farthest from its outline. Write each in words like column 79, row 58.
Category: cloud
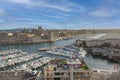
column 23, row 1
column 62, row 5
column 54, row 16
column 104, row 12
column 2, row 12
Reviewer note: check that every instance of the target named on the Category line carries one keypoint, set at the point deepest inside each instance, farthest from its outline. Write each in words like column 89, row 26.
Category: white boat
column 101, row 71
column 82, row 53
column 43, row 49
column 17, row 56
column 34, row 64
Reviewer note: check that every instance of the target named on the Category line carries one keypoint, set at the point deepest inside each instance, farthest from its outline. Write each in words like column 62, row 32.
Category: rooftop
column 73, row 61
column 63, row 64
column 16, row 75
column 100, row 37
column 106, row 50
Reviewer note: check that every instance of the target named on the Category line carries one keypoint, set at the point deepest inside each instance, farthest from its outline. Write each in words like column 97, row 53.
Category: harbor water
column 91, row 62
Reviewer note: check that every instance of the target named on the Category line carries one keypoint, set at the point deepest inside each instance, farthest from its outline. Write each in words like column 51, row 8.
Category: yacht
column 82, row 53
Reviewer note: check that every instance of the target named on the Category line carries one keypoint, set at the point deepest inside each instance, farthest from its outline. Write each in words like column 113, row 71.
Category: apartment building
column 66, row 70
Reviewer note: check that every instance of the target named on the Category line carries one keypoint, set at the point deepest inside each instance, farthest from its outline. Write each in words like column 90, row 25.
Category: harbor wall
column 22, row 39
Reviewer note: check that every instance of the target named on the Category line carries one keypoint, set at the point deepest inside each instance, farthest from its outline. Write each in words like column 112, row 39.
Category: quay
column 112, row 54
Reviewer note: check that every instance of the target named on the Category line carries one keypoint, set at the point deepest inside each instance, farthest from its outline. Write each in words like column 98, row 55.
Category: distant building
column 31, row 35
column 39, row 27
column 66, row 70
column 105, row 76
column 51, row 36
column 10, row 34
column 98, row 42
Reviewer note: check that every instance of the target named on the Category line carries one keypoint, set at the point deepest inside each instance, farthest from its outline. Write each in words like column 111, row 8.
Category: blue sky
column 60, row 14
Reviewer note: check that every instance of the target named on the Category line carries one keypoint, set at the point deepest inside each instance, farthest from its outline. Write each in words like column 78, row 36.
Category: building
column 72, row 69
column 98, row 42
column 16, row 75
column 51, row 36
column 105, row 76
column 112, row 54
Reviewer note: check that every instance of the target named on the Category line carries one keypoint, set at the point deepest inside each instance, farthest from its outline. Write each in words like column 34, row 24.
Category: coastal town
column 70, row 65
column 37, row 35
column 59, row 39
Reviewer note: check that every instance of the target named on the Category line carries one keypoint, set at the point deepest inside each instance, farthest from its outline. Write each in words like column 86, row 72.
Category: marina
column 90, row 61
column 59, row 40
column 4, row 55
column 68, row 51
column 15, row 57
column 32, row 65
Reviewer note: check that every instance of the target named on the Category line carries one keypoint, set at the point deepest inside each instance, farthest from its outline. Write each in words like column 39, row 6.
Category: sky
column 60, row 14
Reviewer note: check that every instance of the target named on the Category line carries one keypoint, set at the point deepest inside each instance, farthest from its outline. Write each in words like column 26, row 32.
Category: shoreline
column 33, row 42
column 16, row 43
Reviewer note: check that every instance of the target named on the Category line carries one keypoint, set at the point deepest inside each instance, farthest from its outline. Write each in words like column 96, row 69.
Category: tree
column 34, row 30
column 80, row 45
column 83, row 44
column 25, row 30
